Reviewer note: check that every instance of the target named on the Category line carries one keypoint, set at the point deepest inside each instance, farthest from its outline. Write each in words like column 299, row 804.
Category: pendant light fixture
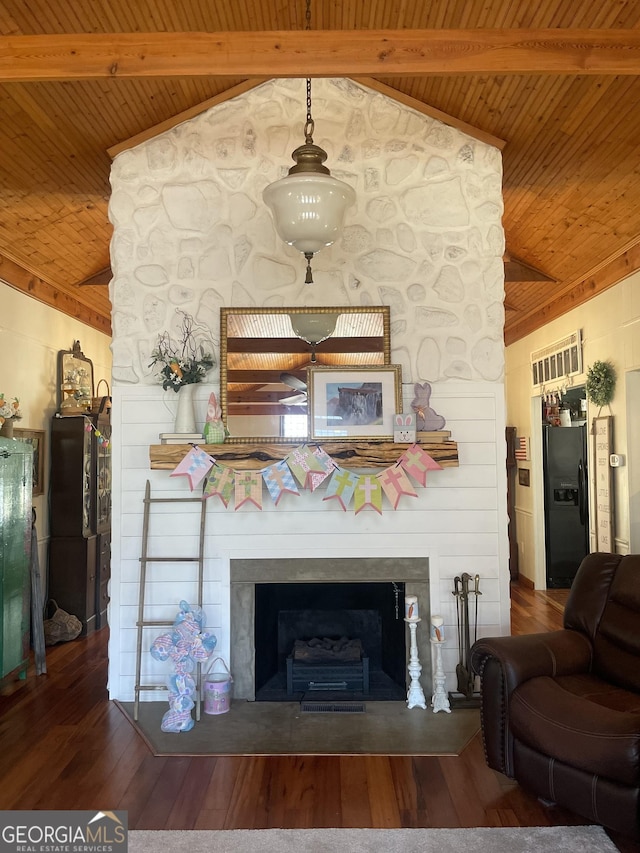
column 308, row 206
column 313, row 329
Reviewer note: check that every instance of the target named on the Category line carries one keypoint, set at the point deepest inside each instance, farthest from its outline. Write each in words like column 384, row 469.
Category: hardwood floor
column 64, row 745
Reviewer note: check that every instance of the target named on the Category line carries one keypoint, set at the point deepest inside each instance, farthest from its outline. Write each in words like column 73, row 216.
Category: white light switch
column 616, row 460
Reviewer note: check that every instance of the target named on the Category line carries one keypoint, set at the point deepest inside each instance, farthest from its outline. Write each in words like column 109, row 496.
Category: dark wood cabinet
column 80, row 517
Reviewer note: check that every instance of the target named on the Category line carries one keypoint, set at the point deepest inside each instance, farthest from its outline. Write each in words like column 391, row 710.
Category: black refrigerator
column 565, row 502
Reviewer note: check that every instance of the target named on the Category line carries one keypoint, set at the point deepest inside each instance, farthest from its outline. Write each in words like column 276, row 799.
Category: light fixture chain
column 308, row 205
column 309, row 126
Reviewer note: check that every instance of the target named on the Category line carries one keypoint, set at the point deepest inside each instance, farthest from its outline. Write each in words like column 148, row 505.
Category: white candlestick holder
column 415, row 694
column 440, row 699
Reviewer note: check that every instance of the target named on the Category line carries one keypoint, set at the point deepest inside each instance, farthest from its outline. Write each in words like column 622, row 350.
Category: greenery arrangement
column 601, row 383
column 182, row 362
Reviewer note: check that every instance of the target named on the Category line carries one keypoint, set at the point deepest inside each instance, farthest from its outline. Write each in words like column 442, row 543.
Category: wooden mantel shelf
column 352, row 454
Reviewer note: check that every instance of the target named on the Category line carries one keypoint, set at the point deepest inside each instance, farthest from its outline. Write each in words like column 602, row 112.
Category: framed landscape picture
column 351, row 403
column 34, row 437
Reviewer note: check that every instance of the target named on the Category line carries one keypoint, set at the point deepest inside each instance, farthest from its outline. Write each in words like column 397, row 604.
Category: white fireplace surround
column 415, row 570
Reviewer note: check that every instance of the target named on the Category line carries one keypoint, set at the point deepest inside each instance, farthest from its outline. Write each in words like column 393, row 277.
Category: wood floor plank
column 289, row 783
column 246, row 809
column 132, row 752
column 220, row 788
column 140, row 788
column 158, row 806
column 470, row 811
column 385, row 813
column 435, row 800
column 326, row 810
column 210, row 819
column 354, row 792
column 488, row 790
column 405, row 789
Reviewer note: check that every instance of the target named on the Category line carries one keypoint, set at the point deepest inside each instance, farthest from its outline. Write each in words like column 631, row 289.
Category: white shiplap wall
column 459, row 521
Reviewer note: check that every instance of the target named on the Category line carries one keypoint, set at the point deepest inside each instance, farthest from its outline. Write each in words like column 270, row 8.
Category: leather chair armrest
column 532, row 655
column 505, row 662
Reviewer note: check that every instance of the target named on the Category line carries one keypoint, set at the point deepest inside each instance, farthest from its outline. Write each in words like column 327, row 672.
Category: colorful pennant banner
column 309, row 466
column 416, row 461
column 219, row 483
column 248, row 488
column 368, row 493
column 395, row 484
column 341, row 487
column 279, row 479
column 195, row 466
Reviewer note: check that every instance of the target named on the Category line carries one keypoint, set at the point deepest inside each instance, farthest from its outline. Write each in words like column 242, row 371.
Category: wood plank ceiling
column 564, row 102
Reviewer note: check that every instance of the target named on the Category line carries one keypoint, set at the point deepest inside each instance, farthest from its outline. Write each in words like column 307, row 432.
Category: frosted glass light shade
column 313, row 328
column 308, row 209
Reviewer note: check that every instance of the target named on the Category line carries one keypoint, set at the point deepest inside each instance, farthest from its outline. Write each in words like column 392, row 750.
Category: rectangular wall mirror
column 265, row 353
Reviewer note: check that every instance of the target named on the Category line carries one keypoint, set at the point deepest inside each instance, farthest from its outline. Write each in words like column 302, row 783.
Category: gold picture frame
column 354, row 403
column 36, row 438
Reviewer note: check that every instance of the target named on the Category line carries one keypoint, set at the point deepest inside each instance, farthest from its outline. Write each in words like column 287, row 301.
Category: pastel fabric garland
column 308, row 466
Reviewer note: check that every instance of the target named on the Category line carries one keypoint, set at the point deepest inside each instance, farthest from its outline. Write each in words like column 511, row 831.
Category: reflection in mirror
column 264, row 355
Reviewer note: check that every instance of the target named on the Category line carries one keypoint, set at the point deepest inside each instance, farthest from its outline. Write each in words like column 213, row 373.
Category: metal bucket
column 217, row 690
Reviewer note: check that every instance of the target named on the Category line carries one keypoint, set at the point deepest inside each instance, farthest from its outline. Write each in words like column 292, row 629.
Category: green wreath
column 601, row 383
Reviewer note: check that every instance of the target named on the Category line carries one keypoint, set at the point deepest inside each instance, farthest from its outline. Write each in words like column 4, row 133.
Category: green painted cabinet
column 16, row 479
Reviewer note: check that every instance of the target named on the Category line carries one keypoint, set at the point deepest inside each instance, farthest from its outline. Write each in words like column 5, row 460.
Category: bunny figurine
column 426, row 419
column 404, row 428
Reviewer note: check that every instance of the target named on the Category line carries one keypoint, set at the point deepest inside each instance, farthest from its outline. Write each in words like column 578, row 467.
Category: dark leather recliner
column 561, row 710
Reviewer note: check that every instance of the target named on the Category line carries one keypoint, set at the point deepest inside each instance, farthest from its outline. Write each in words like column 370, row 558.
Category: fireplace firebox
column 306, row 637
column 248, row 573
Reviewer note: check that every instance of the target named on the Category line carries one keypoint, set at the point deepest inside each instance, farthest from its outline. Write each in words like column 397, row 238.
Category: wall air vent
column 558, row 361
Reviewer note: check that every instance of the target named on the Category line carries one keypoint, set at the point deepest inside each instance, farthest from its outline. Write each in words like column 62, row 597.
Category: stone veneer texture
column 425, row 237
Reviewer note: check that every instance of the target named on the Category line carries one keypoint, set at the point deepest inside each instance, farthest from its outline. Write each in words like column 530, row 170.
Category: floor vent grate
column 332, row 707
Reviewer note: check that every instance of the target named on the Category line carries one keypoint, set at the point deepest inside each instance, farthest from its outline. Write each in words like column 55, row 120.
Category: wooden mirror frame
column 298, row 347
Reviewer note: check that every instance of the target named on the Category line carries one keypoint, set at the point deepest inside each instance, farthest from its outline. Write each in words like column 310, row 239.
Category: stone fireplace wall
column 191, row 232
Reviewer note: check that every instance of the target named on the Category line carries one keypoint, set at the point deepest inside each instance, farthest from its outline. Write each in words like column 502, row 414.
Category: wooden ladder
column 143, row 623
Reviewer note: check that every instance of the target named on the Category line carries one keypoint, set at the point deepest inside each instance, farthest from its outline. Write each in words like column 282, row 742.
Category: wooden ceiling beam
column 296, row 346
column 518, row 271
column 320, row 53
column 263, row 377
column 21, row 279
column 259, row 409
column 261, row 396
column 576, row 293
column 103, row 276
